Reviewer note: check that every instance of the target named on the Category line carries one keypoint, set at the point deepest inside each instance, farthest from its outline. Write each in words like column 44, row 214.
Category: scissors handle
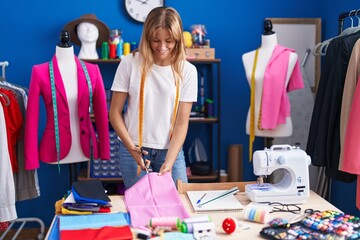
column 147, row 169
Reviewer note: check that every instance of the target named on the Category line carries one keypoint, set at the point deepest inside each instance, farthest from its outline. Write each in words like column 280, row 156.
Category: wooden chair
column 183, row 187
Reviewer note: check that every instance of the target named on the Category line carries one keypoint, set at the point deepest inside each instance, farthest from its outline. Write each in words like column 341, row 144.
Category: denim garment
column 128, row 165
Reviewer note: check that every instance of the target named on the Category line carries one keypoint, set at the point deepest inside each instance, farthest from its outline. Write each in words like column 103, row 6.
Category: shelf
column 203, row 120
column 213, row 177
column 102, row 60
column 117, row 60
column 192, row 120
column 83, row 176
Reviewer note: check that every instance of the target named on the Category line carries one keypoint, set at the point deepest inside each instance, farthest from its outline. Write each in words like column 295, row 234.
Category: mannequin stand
column 73, row 173
column 268, row 142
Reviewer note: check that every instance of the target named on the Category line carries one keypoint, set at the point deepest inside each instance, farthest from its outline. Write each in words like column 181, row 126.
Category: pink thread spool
column 173, row 222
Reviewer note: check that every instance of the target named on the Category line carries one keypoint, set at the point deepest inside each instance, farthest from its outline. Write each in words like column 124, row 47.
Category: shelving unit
column 212, row 67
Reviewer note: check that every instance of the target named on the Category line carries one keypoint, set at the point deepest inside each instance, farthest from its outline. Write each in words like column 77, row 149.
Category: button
column 82, row 132
column 81, row 119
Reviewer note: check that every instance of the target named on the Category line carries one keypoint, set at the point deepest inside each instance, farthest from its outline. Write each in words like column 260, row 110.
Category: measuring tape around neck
column 141, row 109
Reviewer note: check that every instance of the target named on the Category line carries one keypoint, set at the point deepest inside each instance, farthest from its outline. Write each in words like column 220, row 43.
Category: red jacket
column 40, row 85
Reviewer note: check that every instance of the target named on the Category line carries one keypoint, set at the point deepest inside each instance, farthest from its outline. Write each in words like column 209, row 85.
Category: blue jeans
column 129, row 167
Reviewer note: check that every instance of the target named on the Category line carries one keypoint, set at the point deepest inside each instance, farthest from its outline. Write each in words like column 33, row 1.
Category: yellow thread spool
column 126, row 48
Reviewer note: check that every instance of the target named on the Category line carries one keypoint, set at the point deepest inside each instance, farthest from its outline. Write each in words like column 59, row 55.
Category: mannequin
column 64, row 53
column 88, row 34
column 268, row 44
column 76, row 133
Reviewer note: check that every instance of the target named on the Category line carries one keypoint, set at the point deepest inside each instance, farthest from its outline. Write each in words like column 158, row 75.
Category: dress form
column 268, row 43
column 67, row 66
column 88, row 34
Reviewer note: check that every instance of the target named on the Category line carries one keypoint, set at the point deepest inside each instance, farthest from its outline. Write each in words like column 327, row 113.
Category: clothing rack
column 343, row 16
column 21, row 221
column 3, row 66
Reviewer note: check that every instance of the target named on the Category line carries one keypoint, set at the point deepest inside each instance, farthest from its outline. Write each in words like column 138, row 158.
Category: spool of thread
column 258, row 214
column 209, row 108
column 133, row 46
column 173, row 222
column 112, row 54
column 119, row 50
column 105, row 50
column 126, row 48
column 187, row 225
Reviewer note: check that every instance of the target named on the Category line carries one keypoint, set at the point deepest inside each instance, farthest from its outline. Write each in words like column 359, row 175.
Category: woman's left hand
column 166, row 167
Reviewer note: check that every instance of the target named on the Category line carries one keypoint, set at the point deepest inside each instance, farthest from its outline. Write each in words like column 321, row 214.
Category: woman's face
column 162, row 46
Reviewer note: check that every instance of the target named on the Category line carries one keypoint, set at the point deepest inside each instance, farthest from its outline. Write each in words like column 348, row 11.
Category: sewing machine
column 289, row 168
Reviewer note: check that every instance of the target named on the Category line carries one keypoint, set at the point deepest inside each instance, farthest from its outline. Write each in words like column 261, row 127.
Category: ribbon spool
column 187, row 226
column 105, row 50
column 126, row 48
column 173, row 222
column 258, row 214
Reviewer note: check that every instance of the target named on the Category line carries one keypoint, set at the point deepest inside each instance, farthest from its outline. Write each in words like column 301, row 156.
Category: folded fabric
column 153, row 196
column 54, row 230
column 104, row 233
column 178, row 236
column 90, row 191
column 92, row 221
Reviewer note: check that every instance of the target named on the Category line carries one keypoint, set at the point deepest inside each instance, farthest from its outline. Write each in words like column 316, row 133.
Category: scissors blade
column 143, row 157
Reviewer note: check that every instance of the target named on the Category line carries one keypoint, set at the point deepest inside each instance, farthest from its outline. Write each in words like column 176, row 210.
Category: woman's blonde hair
column 163, row 18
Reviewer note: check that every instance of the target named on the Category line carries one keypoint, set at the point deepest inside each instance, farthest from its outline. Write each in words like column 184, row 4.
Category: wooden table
column 250, row 230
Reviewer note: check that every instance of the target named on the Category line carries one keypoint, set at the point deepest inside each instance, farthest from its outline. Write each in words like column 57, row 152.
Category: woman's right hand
column 136, row 153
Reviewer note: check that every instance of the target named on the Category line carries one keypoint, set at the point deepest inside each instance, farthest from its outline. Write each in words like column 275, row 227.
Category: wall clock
column 139, row 9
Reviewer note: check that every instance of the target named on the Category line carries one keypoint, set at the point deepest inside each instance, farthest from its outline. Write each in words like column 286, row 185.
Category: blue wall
column 29, row 34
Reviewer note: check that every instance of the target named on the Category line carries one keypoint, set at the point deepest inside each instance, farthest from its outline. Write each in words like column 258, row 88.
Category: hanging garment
column 302, row 103
column 324, row 136
column 351, row 80
column 26, row 181
column 40, row 86
column 14, row 121
column 7, row 187
column 153, row 196
column 275, row 104
column 351, row 160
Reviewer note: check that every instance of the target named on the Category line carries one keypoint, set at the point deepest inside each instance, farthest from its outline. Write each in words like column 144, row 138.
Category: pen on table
column 224, row 194
column 198, row 201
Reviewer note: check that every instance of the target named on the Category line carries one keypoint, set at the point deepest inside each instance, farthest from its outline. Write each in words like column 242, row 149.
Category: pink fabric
column 153, row 196
column 275, row 103
column 351, row 160
column 358, row 193
column 40, row 86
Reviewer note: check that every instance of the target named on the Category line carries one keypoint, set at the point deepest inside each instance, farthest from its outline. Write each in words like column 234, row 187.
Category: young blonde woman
column 159, row 87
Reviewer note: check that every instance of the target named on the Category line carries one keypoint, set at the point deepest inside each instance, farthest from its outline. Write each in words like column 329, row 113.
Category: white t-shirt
column 159, row 98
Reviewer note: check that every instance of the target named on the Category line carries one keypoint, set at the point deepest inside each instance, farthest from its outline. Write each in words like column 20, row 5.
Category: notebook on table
column 213, row 201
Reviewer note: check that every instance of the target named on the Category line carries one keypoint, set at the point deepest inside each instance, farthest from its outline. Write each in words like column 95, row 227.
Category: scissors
column 147, row 164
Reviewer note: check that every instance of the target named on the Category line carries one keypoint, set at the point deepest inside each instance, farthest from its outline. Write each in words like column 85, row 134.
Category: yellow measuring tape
column 141, row 110
column 252, row 106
